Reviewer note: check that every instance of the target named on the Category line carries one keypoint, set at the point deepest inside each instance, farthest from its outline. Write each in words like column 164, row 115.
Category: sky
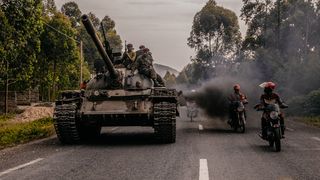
column 161, row 25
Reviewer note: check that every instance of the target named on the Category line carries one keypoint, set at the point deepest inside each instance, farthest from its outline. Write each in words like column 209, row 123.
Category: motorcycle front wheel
column 277, row 137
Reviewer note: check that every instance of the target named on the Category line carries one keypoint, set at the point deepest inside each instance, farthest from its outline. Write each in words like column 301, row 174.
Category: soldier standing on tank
column 144, row 64
column 129, row 57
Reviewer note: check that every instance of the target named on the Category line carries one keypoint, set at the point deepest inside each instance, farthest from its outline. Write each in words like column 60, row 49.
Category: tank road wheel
column 65, row 123
column 165, row 122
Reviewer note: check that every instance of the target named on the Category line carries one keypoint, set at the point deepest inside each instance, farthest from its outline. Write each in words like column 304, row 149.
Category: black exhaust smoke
column 213, row 96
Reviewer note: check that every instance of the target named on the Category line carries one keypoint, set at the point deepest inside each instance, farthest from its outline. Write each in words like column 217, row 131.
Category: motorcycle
column 238, row 118
column 271, row 113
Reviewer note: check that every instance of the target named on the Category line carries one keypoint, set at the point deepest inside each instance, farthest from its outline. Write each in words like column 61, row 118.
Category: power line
column 58, row 31
column 61, row 32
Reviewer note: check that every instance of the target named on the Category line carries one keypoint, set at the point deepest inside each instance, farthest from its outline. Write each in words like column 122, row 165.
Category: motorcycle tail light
column 274, row 115
column 276, row 125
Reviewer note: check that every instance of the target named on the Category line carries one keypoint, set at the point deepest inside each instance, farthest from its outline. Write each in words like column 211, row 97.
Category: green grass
column 15, row 133
column 4, row 119
column 314, row 121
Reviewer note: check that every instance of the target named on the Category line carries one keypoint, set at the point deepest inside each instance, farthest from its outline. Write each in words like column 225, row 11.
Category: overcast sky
column 162, row 25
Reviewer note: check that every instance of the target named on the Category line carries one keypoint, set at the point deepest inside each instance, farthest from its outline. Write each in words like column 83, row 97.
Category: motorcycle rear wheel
column 242, row 125
column 271, row 143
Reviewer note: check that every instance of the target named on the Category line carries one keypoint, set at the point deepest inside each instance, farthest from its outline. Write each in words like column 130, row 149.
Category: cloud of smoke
column 213, row 95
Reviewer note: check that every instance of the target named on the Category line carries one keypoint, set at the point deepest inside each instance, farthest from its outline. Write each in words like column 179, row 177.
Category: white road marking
column 203, row 170
column 315, row 138
column 289, row 129
column 200, row 127
column 115, row 128
column 20, row 166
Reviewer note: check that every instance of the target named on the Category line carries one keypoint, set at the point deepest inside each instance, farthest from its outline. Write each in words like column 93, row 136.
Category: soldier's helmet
column 141, row 47
column 146, row 50
column 130, row 46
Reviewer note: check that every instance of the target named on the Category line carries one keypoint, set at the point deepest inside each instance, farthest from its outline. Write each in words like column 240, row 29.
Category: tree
column 215, row 36
column 60, row 55
column 170, row 79
column 190, row 74
column 49, row 7
column 22, row 37
column 95, row 20
column 279, row 40
column 71, row 9
column 111, row 34
column 108, row 23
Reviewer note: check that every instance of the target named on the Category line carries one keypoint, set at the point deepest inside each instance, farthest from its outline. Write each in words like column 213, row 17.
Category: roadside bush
column 308, row 105
column 313, row 121
column 296, row 106
column 312, row 104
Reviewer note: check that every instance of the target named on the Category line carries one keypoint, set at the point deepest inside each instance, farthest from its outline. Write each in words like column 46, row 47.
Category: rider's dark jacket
column 272, row 98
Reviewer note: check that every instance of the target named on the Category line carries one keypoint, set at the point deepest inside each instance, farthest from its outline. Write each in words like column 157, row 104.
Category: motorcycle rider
column 236, row 96
column 267, row 98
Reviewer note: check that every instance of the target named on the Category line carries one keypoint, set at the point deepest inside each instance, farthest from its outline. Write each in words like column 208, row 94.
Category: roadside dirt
column 32, row 113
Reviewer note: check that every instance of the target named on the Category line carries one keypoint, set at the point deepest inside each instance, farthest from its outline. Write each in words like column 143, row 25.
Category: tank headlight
column 96, row 93
column 274, row 114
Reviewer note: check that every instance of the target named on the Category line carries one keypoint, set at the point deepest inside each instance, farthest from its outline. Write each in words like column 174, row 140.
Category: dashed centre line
column 200, row 127
column 20, row 166
column 115, row 128
column 203, row 170
column 315, row 138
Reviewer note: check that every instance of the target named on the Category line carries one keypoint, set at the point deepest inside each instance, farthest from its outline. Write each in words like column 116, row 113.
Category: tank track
column 65, row 123
column 165, row 122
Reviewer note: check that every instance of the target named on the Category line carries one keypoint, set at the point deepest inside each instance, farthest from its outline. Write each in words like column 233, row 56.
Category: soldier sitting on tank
column 145, row 67
column 129, row 57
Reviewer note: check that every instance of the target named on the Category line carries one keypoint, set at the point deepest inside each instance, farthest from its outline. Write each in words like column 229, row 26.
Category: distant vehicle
column 118, row 97
column 192, row 110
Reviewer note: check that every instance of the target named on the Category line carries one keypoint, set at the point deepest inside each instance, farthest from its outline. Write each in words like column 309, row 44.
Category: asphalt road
column 205, row 149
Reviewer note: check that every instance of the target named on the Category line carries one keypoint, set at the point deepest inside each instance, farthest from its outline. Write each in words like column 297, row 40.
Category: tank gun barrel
column 92, row 32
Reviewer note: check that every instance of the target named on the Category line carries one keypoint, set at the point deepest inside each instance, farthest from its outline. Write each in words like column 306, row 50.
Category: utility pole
column 81, row 61
column 7, row 89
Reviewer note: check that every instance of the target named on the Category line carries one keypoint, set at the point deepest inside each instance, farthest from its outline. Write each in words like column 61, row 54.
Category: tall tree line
column 39, row 46
column 282, row 44
column 283, row 40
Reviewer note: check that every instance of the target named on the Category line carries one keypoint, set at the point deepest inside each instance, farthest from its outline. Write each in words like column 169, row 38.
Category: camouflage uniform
column 140, row 51
column 145, row 67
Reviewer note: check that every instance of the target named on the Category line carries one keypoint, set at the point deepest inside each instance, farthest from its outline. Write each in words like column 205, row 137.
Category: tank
column 117, row 97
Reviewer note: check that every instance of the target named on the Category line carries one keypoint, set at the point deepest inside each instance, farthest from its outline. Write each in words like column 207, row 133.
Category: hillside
column 162, row 69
